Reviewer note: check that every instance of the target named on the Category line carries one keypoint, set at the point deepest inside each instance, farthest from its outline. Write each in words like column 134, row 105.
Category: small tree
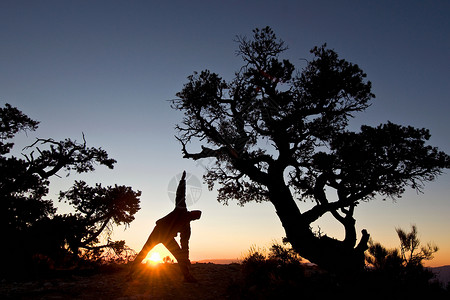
column 402, row 268
column 280, row 136
column 29, row 222
column 97, row 210
column 412, row 253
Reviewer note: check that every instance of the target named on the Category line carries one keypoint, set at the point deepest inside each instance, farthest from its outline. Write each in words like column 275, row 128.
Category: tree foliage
column 96, row 209
column 30, row 221
column 281, row 135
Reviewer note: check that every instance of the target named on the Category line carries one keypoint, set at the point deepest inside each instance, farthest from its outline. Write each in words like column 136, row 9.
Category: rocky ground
column 161, row 282
column 215, row 281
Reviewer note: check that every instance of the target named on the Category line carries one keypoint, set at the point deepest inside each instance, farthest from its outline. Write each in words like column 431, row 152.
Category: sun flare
column 154, row 259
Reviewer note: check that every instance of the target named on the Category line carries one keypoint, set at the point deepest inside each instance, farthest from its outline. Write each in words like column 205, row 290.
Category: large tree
column 280, row 135
column 29, row 222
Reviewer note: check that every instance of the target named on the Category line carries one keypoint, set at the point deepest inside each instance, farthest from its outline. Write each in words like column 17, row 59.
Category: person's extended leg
column 181, row 257
column 152, row 241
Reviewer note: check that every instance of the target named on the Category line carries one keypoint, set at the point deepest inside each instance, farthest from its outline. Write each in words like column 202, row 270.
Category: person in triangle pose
column 168, row 227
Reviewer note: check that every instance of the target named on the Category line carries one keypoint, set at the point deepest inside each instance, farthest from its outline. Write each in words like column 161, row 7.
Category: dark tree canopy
column 12, row 122
column 279, row 134
column 29, row 221
column 98, row 208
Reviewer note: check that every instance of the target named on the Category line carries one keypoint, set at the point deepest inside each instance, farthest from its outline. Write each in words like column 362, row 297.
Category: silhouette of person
column 177, row 221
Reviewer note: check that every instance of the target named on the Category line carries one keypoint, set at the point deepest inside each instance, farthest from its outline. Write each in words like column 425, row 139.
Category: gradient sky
column 107, row 69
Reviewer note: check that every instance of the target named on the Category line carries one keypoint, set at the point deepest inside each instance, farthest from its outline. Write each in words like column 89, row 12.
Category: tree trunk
column 341, row 257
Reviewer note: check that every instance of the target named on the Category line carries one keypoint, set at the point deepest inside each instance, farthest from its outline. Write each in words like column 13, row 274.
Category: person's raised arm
column 180, row 200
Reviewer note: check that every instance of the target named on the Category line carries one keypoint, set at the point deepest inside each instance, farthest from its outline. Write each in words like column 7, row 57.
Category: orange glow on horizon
column 157, row 256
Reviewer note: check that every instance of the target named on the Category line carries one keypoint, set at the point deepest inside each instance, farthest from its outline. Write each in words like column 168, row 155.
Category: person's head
column 195, row 214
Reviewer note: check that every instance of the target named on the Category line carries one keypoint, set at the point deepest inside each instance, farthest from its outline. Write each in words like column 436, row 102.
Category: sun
column 153, row 259
column 157, row 256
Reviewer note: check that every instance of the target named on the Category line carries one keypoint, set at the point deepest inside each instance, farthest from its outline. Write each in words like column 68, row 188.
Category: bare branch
column 205, row 153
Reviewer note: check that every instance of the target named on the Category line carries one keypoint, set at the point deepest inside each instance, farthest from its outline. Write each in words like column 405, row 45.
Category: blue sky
column 107, row 69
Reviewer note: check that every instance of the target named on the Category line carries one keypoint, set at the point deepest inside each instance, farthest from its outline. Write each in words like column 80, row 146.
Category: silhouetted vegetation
column 280, row 273
column 35, row 237
column 274, row 133
column 280, row 266
column 402, row 269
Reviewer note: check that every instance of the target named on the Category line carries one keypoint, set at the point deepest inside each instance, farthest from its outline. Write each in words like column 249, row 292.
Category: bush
column 279, row 273
column 401, row 271
column 270, row 275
